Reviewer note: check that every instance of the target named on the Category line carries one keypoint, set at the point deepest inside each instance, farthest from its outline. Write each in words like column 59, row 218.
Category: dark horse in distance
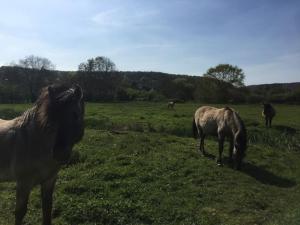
column 171, row 104
column 36, row 144
column 268, row 113
column 223, row 123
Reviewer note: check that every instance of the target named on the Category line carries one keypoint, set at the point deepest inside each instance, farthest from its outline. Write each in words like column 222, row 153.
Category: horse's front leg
column 22, row 195
column 266, row 119
column 230, row 150
column 221, row 146
column 47, row 189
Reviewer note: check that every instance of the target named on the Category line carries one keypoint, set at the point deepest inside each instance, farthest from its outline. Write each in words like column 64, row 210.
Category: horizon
column 178, row 37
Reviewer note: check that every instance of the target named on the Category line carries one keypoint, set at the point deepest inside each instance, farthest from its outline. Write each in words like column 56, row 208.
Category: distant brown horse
column 268, row 113
column 34, row 145
column 171, row 104
column 224, row 122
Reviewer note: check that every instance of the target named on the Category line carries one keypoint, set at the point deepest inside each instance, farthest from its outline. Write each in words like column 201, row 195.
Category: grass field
column 138, row 164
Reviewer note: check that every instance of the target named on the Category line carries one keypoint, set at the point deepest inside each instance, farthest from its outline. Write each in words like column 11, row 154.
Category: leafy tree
column 227, row 73
column 98, row 64
column 37, row 66
column 36, row 62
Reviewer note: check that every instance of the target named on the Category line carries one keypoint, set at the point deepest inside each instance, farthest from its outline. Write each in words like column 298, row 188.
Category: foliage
column 227, row 73
column 98, row 64
column 35, row 73
column 23, row 85
column 276, row 93
column 36, row 62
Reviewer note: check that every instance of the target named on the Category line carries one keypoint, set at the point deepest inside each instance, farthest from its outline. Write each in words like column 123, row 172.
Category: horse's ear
column 78, row 93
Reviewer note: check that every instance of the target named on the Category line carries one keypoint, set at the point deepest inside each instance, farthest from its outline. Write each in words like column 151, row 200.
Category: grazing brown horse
column 171, row 105
column 36, row 144
column 223, row 123
column 268, row 113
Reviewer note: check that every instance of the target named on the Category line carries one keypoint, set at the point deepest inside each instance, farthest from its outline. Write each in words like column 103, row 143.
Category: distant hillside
column 277, row 92
column 23, row 85
column 282, row 86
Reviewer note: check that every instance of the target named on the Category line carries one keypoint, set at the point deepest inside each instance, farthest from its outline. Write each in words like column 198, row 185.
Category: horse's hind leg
column 47, row 189
column 201, row 146
column 22, row 195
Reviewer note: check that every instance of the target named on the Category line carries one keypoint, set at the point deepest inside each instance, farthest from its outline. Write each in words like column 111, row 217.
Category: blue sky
column 175, row 36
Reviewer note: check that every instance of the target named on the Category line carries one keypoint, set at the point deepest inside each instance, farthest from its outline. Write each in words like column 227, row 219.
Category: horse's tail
column 195, row 130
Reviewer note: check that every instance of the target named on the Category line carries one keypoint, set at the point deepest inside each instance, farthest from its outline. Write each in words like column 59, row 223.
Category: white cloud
column 119, row 17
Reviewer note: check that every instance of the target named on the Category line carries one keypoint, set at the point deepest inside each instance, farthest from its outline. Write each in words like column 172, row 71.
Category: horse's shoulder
column 228, row 109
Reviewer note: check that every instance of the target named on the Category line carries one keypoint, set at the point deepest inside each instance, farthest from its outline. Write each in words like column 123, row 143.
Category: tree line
column 22, row 82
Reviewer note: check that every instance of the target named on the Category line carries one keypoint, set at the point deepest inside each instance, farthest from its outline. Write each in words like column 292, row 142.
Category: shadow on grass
column 259, row 173
column 266, row 177
column 209, row 155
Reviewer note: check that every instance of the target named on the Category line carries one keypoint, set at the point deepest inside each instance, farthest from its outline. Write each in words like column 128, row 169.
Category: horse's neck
column 237, row 124
column 35, row 133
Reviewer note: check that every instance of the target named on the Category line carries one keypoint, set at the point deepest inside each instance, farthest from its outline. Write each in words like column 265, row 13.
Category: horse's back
column 212, row 120
column 210, row 113
column 205, row 110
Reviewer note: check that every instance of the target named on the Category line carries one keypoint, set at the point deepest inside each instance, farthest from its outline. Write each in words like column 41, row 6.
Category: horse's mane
column 27, row 117
column 41, row 111
column 238, row 121
column 242, row 126
column 228, row 108
column 242, row 132
column 38, row 113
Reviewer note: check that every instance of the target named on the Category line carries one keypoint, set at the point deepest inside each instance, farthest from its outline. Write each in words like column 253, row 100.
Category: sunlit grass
column 138, row 164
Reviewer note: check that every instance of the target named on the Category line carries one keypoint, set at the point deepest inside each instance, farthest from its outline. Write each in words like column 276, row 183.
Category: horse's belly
column 6, row 154
column 6, row 173
column 209, row 127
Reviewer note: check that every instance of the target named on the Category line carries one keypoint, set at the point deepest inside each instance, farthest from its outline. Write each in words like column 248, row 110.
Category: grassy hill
column 19, row 85
column 138, row 164
column 276, row 93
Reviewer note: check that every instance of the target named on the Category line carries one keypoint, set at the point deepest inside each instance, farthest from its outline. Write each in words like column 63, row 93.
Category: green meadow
column 139, row 164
